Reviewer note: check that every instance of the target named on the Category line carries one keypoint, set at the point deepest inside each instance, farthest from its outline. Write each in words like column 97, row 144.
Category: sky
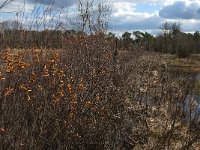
column 127, row 15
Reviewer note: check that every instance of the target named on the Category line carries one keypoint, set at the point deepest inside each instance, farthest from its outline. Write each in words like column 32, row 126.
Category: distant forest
column 170, row 40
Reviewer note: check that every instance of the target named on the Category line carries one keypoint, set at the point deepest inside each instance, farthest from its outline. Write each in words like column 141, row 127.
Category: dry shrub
column 61, row 99
column 161, row 108
column 91, row 96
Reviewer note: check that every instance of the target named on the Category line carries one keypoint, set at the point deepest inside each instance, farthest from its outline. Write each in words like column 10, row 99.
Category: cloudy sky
column 129, row 15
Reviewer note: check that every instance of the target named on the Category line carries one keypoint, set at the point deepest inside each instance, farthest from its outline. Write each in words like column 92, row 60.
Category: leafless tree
column 92, row 15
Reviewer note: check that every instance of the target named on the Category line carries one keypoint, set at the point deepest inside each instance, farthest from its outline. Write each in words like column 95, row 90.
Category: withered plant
column 93, row 95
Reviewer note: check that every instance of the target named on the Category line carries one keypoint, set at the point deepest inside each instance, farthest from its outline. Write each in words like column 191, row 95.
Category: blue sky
column 129, row 15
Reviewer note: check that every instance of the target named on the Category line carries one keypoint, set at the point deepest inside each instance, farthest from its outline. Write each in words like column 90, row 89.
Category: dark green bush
column 183, row 53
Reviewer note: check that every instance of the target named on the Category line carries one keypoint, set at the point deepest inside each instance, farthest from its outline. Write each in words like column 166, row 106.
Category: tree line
column 171, row 40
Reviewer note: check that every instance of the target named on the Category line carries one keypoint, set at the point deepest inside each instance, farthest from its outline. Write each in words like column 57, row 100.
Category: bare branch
column 6, row 2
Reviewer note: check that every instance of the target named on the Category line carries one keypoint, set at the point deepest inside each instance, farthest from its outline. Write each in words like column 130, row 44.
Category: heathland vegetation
column 87, row 89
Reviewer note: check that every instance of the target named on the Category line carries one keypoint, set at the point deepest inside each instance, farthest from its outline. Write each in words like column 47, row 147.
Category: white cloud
column 127, row 9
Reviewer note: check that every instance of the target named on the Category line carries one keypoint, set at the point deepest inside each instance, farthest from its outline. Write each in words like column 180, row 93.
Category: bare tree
column 165, row 27
column 92, row 15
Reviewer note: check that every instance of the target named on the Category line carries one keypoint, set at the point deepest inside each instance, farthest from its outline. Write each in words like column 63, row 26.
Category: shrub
column 183, row 53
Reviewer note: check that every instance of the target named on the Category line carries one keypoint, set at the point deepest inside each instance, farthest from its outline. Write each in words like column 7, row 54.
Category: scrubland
column 93, row 95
